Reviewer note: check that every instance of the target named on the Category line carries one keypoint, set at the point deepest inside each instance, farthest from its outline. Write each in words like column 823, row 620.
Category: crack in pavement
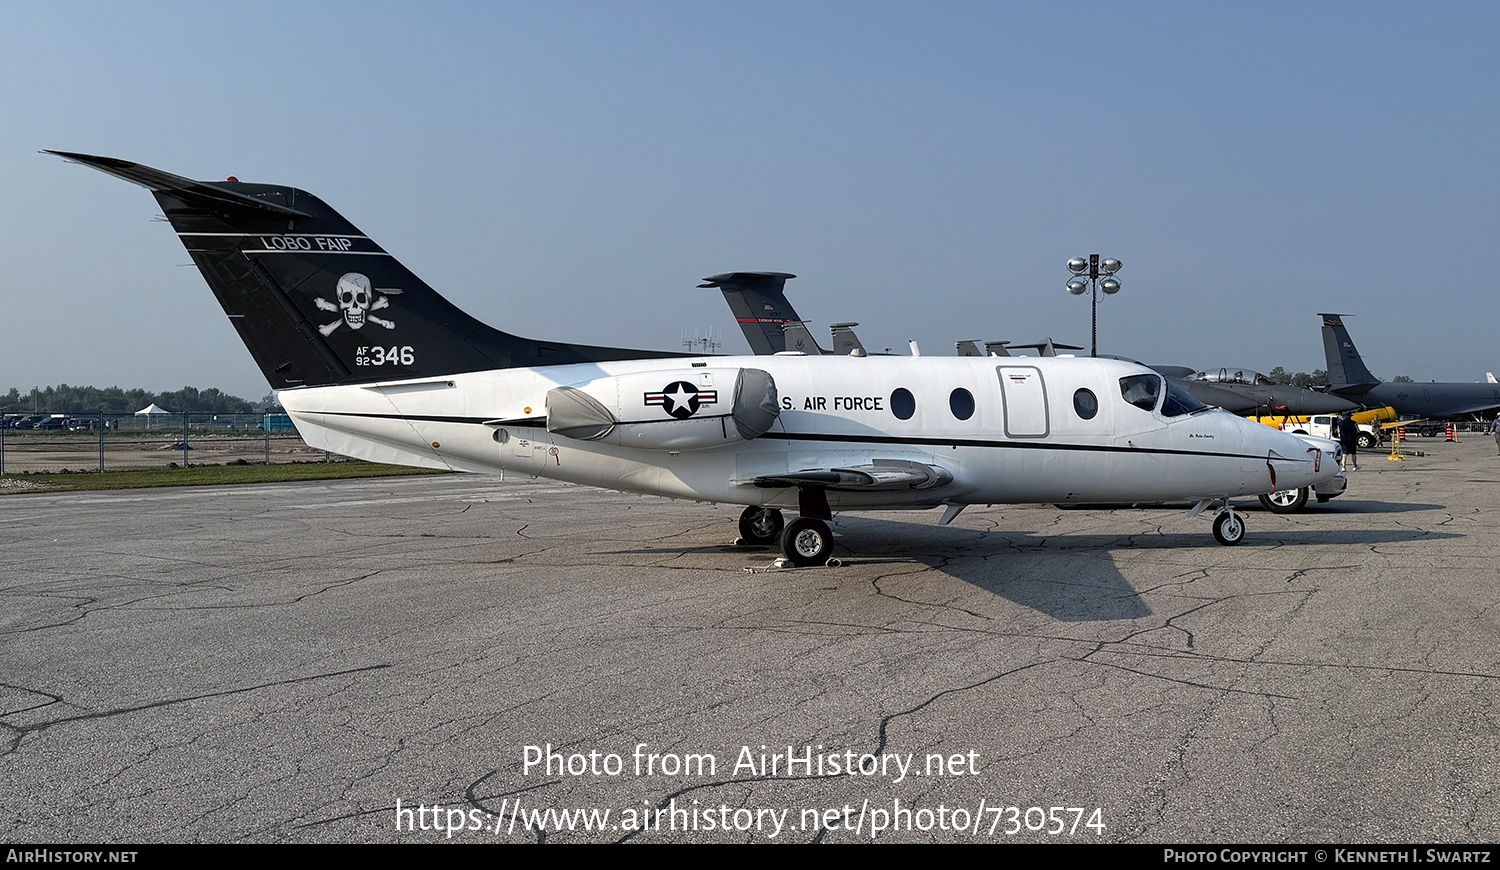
column 23, row 731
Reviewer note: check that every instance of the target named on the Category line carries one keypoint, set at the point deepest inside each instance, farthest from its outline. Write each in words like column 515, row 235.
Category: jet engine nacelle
column 694, row 409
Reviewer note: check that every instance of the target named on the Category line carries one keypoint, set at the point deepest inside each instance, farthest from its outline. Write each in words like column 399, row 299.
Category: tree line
column 64, row 399
column 1315, row 378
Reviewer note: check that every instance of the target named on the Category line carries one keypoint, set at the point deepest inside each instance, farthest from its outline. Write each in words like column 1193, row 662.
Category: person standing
column 1495, row 431
column 1349, row 440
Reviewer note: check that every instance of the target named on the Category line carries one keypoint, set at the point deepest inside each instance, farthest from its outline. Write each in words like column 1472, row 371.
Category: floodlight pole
column 1086, row 276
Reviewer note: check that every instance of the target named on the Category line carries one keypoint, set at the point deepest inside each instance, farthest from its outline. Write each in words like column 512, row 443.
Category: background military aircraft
column 1045, row 347
column 1271, row 397
column 771, row 325
column 1348, row 377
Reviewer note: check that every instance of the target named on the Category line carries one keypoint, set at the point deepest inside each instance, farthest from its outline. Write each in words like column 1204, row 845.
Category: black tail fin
column 758, row 301
column 1345, row 367
column 316, row 301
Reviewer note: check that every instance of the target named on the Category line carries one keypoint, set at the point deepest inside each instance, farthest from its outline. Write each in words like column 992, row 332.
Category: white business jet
column 372, row 363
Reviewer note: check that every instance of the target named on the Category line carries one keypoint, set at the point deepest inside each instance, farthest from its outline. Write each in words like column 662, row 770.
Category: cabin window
column 961, row 403
column 903, row 403
column 1085, row 403
column 1141, row 390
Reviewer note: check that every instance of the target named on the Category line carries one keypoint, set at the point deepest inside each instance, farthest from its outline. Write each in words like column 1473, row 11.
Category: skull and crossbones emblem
column 354, row 294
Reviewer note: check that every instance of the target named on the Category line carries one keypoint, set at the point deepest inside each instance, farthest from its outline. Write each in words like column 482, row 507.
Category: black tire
column 1286, row 501
column 806, row 542
column 759, row 525
column 1366, row 441
column 1229, row 528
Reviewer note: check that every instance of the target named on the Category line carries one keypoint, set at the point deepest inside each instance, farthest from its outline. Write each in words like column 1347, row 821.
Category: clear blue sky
column 570, row 170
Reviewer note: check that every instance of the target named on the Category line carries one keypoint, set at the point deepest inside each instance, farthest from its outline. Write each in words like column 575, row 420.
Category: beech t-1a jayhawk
column 372, row 363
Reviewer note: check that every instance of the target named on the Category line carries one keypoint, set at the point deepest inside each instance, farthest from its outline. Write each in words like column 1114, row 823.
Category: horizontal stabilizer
column 201, row 194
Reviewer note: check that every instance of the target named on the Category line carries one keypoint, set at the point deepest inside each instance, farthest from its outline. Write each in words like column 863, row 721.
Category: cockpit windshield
column 1141, row 391
column 1233, row 376
column 1178, row 403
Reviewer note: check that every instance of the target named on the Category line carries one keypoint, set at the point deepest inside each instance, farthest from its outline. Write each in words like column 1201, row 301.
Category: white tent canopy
column 151, row 412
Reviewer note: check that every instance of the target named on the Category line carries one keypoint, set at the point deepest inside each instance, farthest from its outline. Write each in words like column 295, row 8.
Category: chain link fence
column 115, row 442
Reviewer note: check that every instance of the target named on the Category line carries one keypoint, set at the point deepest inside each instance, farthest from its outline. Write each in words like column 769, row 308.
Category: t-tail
column 1345, row 367
column 315, row 300
column 758, row 301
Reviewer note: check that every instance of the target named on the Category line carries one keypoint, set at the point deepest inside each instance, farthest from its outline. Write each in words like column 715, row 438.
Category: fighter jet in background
column 1270, row 397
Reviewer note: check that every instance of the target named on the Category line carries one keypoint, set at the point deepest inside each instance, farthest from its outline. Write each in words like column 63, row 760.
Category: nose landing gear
column 1229, row 527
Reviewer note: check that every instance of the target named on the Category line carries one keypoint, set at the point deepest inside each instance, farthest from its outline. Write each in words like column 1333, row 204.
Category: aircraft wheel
column 1285, row 501
column 1229, row 529
column 760, row 525
column 1366, row 441
column 806, row 542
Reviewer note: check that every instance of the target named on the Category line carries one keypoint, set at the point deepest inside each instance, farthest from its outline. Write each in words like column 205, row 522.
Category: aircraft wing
column 1471, row 408
column 879, row 475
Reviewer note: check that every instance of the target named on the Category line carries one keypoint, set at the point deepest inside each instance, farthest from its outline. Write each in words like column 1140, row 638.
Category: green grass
column 209, row 475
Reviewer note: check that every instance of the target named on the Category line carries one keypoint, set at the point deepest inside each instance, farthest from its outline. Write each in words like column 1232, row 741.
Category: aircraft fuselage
column 1023, row 441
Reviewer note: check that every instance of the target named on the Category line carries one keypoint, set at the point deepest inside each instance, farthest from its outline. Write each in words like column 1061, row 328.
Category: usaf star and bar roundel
column 681, row 399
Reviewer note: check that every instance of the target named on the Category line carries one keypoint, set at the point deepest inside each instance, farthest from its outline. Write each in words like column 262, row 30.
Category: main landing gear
column 760, row 525
column 805, row 541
